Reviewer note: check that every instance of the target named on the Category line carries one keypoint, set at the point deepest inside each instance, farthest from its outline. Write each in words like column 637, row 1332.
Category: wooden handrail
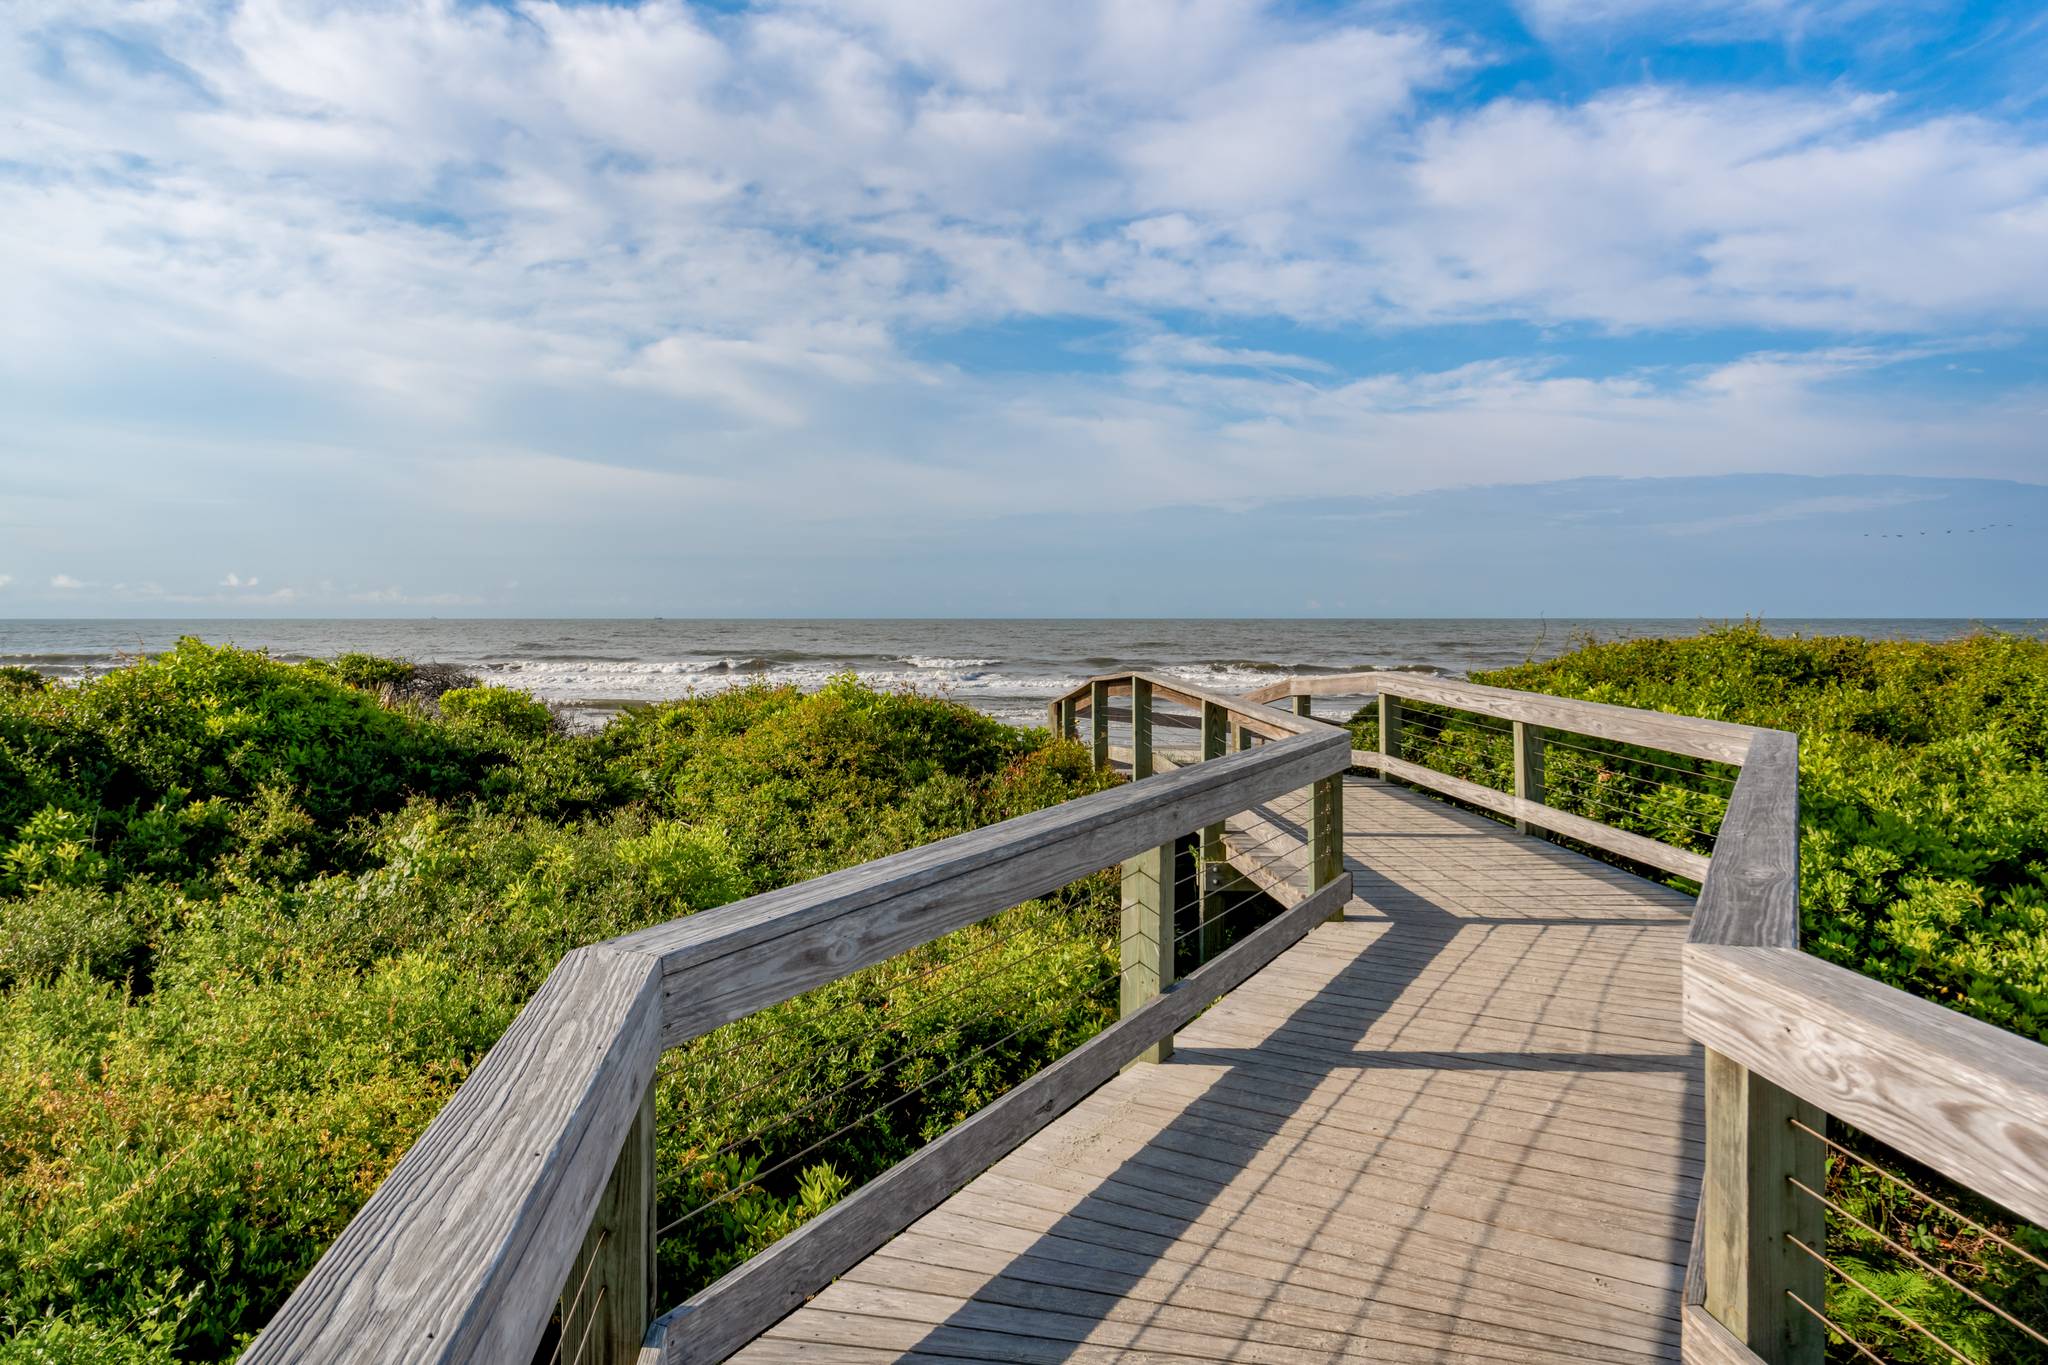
column 461, row 1253
column 1717, row 741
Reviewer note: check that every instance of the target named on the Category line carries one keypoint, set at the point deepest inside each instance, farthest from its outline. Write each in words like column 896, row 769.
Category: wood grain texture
column 1528, row 742
column 1714, row 740
column 1461, row 1124
column 1649, row 852
column 1750, row 897
column 1141, row 728
column 1267, row 722
column 461, row 1252
column 1751, row 1210
column 1098, row 721
column 1961, row 1096
column 1145, row 944
column 608, row 1297
column 1707, row 1342
column 721, row 964
column 720, row 1319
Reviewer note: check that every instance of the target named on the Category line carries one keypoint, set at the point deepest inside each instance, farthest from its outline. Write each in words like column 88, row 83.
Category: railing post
column 1390, row 728
column 1063, row 724
column 1528, row 766
column 1301, row 704
column 1141, row 728
column 609, row 1297
column 1215, row 743
column 1753, row 1212
column 1147, row 937
column 1098, row 721
column 1326, row 835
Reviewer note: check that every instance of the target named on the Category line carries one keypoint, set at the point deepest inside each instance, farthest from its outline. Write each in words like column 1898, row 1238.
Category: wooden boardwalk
column 1462, row 1124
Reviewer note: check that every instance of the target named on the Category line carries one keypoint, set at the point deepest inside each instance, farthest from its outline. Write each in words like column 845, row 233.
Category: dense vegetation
column 1923, row 863
column 258, row 919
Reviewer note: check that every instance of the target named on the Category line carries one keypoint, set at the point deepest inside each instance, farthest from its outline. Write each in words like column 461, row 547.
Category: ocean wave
column 941, row 662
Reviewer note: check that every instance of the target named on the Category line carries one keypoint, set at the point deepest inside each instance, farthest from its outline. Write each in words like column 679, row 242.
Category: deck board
column 1463, row 1124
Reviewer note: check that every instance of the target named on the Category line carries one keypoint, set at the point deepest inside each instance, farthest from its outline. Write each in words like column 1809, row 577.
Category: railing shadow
column 1125, row 1251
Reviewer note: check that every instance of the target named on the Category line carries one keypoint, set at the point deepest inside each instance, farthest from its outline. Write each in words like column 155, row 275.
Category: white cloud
column 654, row 269
column 64, row 582
column 6, row 579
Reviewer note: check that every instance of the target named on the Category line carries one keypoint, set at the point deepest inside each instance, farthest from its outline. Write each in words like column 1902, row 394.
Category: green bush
column 257, row 920
column 1923, row 791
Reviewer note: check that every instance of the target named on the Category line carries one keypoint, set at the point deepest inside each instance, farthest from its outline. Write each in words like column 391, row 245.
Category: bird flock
column 1966, row 530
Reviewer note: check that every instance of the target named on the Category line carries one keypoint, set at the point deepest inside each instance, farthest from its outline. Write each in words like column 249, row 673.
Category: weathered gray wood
column 1145, row 966
column 1459, row 1125
column 1528, row 740
column 1715, row 740
column 1098, row 721
column 720, row 1319
column 1390, row 726
column 1696, row 1259
column 1064, row 727
column 1752, row 1212
column 1141, row 728
column 1707, row 1342
column 609, row 1296
column 1265, row 721
column 1215, row 859
column 1303, row 705
column 1750, row 896
column 722, row 964
column 1649, row 852
column 1959, row 1095
column 1326, row 833
column 461, row 1252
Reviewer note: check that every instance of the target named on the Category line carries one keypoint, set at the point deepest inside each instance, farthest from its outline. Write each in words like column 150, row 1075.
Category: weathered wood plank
column 1141, row 728
column 1098, row 721
column 722, row 964
column 1750, row 896
column 1265, row 721
column 461, row 1252
column 1650, row 852
column 1494, row 1169
column 1528, row 741
column 1214, row 856
column 1709, row 1343
column 1714, row 740
column 720, row 1319
column 1965, row 1098
column 609, row 1296
column 1751, row 1211
column 1145, row 962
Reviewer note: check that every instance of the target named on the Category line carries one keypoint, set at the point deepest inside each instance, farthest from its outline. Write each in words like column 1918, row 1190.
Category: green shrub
column 1923, row 776
column 258, row 919
column 503, row 713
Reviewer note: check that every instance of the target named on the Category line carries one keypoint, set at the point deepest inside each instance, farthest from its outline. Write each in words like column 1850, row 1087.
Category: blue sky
column 415, row 306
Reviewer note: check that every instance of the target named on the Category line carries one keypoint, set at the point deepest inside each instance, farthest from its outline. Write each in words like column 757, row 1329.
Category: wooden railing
column 1791, row 1040
column 525, row 1213
column 1532, row 720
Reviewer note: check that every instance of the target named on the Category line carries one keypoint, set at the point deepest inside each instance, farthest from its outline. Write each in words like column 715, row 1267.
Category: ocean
column 1008, row 668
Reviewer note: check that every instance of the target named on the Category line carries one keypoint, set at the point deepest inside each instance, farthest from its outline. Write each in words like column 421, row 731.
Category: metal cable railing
column 1892, row 1303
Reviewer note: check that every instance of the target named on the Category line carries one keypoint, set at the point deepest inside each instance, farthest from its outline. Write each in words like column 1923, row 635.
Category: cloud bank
column 343, row 289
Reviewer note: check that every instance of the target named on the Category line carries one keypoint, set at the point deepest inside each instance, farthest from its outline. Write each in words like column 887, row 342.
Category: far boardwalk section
column 1457, row 1091
column 1463, row 1123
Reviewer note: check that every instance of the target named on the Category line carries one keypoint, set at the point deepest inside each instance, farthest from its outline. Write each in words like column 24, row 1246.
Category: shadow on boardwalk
column 1327, row 1169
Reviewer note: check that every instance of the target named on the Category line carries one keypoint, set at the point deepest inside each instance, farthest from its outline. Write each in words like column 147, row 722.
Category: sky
column 937, row 307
